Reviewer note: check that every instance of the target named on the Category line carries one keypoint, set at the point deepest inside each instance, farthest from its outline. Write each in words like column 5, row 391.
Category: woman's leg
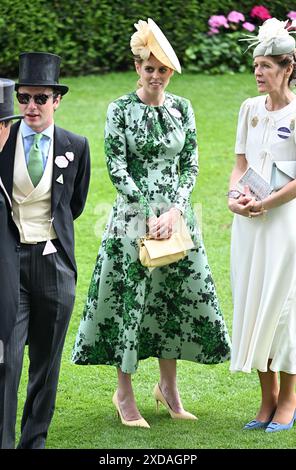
column 125, row 396
column 270, row 391
column 287, row 399
column 168, row 383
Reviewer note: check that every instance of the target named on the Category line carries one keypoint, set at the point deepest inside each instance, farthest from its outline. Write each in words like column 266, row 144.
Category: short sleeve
column 242, row 127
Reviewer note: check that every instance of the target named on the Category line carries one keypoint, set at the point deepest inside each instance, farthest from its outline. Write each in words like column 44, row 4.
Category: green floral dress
column 130, row 312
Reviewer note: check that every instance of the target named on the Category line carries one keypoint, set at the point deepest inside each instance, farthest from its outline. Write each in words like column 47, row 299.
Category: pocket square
column 60, row 179
column 49, row 248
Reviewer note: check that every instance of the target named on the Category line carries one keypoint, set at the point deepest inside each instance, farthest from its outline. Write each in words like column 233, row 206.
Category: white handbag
column 282, row 173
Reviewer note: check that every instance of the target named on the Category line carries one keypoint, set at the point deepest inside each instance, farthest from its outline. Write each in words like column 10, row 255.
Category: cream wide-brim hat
column 161, row 48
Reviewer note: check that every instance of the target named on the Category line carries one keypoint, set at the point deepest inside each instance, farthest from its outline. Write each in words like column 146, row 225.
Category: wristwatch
column 234, row 194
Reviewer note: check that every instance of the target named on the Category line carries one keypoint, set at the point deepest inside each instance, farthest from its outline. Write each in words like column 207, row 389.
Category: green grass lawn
column 85, row 416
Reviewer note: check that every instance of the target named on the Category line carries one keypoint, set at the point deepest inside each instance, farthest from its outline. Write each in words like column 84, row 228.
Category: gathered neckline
column 150, row 105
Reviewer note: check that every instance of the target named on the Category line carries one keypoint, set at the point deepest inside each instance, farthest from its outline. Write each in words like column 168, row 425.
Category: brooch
column 175, row 112
column 292, row 124
column 254, row 121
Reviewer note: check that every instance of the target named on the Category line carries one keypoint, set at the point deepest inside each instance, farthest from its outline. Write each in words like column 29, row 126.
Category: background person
column 263, row 246
column 45, row 170
column 9, row 239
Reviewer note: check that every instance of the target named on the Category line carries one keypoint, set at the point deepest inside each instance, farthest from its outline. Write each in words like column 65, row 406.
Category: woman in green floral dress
column 172, row 312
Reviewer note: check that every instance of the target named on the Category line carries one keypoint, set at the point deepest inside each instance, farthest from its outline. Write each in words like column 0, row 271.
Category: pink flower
column 235, row 17
column 260, row 12
column 248, row 26
column 213, row 31
column 216, row 21
column 292, row 15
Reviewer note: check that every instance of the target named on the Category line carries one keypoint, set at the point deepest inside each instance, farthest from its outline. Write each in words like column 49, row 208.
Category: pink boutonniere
column 70, row 156
column 63, row 161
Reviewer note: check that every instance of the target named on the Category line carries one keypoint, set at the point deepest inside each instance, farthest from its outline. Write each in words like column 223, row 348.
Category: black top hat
column 6, row 100
column 40, row 69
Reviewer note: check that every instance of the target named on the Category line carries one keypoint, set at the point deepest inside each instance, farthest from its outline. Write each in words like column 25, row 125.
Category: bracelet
column 234, row 194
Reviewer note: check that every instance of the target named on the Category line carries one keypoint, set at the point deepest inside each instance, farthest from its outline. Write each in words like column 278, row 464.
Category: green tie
column 35, row 163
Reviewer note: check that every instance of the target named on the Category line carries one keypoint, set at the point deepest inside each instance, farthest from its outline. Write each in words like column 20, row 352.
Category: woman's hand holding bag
column 167, row 242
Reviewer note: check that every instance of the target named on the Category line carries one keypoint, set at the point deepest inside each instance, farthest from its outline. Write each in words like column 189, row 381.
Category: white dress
column 263, row 250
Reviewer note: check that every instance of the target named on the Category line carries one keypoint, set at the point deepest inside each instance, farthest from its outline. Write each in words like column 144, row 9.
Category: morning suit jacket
column 67, row 198
column 9, row 267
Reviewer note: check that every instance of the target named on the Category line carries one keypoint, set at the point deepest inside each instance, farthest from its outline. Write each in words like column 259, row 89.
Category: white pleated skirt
column 263, row 278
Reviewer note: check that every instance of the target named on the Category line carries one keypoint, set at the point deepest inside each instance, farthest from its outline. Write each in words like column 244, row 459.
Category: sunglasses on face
column 24, row 98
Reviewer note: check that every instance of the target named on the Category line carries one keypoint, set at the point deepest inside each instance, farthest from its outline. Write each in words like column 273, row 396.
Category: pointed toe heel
column 276, row 427
column 159, row 398
column 140, row 423
column 255, row 424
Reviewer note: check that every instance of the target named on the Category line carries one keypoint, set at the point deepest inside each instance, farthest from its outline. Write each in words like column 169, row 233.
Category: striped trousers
column 47, row 293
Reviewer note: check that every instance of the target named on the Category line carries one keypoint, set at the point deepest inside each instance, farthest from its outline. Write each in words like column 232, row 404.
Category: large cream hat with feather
column 149, row 39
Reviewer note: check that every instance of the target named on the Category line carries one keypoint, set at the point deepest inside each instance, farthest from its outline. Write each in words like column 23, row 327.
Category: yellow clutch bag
column 155, row 253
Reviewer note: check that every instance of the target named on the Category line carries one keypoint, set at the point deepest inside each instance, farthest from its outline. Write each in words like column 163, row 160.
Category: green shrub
column 217, row 54
column 25, row 26
column 93, row 35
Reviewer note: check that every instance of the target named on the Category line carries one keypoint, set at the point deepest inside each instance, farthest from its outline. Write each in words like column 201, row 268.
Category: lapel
column 62, row 145
column 5, row 192
column 7, row 159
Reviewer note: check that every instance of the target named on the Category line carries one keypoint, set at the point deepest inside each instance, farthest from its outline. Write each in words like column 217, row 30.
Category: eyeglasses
column 24, row 98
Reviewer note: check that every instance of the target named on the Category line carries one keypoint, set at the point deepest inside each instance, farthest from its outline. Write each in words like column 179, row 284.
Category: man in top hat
column 45, row 170
column 9, row 238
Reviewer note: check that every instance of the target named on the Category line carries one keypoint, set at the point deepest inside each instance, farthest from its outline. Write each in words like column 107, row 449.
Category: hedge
column 93, row 35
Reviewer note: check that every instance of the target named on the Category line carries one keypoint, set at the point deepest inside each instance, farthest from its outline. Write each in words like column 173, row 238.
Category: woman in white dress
column 263, row 248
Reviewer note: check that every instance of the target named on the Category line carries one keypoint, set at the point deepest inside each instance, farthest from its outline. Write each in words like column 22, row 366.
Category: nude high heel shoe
column 141, row 423
column 158, row 395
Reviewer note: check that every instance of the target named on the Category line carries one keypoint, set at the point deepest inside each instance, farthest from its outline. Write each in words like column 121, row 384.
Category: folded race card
column 259, row 187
